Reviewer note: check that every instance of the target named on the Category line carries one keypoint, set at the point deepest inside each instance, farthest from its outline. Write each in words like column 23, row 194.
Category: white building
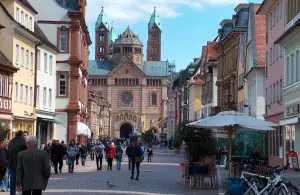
column 255, row 65
column 45, row 88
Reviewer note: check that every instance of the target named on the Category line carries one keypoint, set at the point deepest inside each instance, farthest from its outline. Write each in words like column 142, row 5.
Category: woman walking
column 83, row 153
column 119, row 152
column 72, row 152
column 111, row 154
column 137, row 154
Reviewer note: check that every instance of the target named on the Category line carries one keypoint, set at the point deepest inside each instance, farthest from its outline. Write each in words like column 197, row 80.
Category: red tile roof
column 204, row 53
column 212, row 53
column 6, row 63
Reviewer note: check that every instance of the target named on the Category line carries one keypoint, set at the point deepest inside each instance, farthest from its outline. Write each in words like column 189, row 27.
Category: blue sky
column 187, row 24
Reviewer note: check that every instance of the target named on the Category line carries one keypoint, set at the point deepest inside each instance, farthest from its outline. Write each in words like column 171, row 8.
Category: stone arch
column 125, row 128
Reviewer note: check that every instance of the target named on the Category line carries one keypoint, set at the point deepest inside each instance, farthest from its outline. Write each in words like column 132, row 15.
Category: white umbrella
column 83, row 129
column 231, row 121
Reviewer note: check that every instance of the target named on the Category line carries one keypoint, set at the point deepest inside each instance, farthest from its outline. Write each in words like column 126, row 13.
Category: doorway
column 125, row 130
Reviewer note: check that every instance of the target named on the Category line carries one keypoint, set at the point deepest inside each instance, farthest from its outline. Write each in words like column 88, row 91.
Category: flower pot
column 177, row 150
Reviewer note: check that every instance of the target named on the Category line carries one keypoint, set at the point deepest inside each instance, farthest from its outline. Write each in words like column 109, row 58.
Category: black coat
column 15, row 146
column 57, row 152
column 3, row 161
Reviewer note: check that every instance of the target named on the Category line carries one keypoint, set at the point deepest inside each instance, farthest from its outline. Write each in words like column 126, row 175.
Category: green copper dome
column 102, row 19
column 154, row 20
column 112, row 34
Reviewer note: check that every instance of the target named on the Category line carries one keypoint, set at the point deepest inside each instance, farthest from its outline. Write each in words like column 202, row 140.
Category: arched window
column 116, row 81
column 129, row 81
column 101, row 81
column 119, row 83
column 137, row 81
column 93, row 81
column 126, row 82
column 154, row 98
column 150, row 81
column 156, row 81
column 105, row 81
column 123, row 81
column 159, row 81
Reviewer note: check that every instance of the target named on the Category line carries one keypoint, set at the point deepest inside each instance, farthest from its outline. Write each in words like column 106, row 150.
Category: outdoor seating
column 194, row 173
column 210, row 173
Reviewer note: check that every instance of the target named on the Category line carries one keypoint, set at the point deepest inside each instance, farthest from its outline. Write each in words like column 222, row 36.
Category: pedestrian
column 99, row 151
column 5, row 182
column 136, row 159
column 3, row 164
column 57, row 156
column 129, row 155
column 25, row 135
column 83, row 153
column 64, row 146
column 15, row 146
column 77, row 155
column 92, row 152
column 33, row 170
column 150, row 153
column 119, row 153
column 143, row 150
column 111, row 154
column 72, row 152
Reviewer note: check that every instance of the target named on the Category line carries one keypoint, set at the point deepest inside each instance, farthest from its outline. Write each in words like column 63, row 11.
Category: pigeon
column 110, row 185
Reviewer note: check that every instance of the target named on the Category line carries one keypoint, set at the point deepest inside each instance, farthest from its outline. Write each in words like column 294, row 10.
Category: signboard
column 292, row 158
column 220, row 133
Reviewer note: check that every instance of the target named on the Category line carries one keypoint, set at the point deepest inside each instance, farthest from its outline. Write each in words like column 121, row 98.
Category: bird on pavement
column 110, row 184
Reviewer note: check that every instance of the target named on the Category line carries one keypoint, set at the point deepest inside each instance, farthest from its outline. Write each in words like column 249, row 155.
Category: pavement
column 161, row 176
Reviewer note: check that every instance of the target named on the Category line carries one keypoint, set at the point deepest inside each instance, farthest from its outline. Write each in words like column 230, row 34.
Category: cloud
column 132, row 11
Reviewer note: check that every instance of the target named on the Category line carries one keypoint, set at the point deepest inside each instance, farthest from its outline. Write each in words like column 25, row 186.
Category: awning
column 289, row 121
column 83, row 129
column 50, row 120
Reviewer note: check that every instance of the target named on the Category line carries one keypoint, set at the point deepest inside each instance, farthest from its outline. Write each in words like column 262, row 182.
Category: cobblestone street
column 162, row 176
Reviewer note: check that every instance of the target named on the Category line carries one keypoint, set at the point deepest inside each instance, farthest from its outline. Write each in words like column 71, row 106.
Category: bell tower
column 102, row 37
column 154, row 38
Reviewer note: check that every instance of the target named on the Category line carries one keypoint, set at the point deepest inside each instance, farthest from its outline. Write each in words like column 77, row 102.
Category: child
column 150, row 154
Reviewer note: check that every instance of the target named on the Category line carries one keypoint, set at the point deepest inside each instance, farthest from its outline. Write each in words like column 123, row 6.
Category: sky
column 187, row 25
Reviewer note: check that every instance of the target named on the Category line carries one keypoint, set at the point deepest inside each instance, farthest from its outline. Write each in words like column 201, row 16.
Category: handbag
column 138, row 159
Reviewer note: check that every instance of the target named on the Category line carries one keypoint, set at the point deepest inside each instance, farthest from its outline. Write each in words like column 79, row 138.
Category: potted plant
column 176, row 144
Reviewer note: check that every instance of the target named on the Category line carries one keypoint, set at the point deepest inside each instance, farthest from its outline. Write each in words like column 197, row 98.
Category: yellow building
column 18, row 43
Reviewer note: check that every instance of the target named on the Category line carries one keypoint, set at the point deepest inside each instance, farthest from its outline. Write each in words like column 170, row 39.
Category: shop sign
column 220, row 133
column 292, row 159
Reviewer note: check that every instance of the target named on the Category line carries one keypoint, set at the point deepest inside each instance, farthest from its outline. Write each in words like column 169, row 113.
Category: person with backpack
column 83, row 153
column 99, row 151
column 72, row 152
column 119, row 152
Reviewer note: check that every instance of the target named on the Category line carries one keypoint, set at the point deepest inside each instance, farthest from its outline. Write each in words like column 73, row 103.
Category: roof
column 27, row 4
column 128, row 37
column 154, row 20
column 112, row 35
column 6, row 63
column 102, row 19
column 100, row 68
column 156, row 68
column 40, row 34
column 71, row 5
column 212, row 53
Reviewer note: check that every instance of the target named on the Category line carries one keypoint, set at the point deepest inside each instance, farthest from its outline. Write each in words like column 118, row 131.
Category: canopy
column 83, row 129
column 232, row 121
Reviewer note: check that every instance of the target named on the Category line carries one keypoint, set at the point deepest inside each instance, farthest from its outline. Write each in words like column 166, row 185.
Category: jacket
column 111, row 152
column 136, row 152
column 119, row 152
column 83, row 151
column 57, row 152
column 99, row 150
column 129, row 151
column 33, row 170
column 3, row 160
column 72, row 151
column 15, row 146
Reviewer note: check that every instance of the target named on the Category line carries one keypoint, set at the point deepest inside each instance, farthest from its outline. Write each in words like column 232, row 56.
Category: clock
column 127, row 97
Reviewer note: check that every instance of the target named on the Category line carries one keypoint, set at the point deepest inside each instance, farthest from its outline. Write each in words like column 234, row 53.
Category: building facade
column 18, row 44
column 68, row 31
column 135, row 89
column 290, row 41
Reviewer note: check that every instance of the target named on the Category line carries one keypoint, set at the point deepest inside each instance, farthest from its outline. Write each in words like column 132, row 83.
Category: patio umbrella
column 232, row 121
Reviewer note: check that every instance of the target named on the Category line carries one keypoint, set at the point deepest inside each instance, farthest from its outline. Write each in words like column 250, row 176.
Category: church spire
column 154, row 20
column 102, row 19
column 112, row 34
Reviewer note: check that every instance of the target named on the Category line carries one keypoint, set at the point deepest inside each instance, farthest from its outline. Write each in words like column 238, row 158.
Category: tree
column 3, row 132
column 148, row 136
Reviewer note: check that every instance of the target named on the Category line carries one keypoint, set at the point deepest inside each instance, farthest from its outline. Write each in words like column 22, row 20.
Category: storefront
column 24, row 124
column 44, row 130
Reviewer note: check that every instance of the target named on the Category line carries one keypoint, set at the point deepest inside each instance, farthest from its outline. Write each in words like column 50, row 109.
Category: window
column 1, row 85
column 50, row 64
column 274, row 93
column 44, row 96
column 292, row 71
column 22, row 17
column 274, row 18
column 277, row 12
column 271, row 92
column 21, row 93
column 297, row 65
column 18, row 15
column 30, row 23
column 63, row 41
column 281, row 89
column 267, row 64
column 27, row 59
column 6, row 86
column 31, row 96
column 50, row 97
column 16, row 91
column 31, row 61
column 280, row 8
column 38, row 58
column 38, row 95
column 102, row 38
column 26, row 21
column 267, row 96
column 287, row 72
column 101, row 49
column 22, row 56
column 271, row 55
column 62, row 85
column 17, row 54
column 45, row 62
column 153, row 98
column 26, row 94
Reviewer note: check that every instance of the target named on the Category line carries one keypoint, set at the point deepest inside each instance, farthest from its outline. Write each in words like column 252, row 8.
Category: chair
column 200, row 170
column 211, row 174
column 191, row 174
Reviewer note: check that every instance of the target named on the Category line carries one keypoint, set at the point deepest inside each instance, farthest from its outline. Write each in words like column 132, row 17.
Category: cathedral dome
column 128, row 37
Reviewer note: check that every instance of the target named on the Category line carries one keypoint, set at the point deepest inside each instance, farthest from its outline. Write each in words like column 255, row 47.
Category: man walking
column 33, row 170
column 99, row 150
column 137, row 154
column 57, row 155
column 129, row 154
column 15, row 146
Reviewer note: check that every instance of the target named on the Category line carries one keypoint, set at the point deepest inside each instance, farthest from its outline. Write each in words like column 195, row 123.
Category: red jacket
column 111, row 152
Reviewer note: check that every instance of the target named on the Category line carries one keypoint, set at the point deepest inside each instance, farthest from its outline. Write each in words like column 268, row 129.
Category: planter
column 177, row 150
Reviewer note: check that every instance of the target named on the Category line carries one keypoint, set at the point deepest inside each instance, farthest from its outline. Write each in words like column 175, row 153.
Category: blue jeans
column 129, row 162
column 13, row 183
column 119, row 164
column 6, row 183
column 83, row 159
column 71, row 161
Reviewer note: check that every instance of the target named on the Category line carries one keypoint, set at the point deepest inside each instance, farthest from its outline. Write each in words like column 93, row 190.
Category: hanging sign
column 292, row 158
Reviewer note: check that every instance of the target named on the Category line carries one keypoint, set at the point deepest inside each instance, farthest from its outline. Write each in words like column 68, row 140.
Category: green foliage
column 148, row 136
column 3, row 132
column 134, row 137
column 199, row 143
column 176, row 142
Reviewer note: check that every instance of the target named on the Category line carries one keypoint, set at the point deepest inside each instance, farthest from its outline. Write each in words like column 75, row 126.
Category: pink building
column 274, row 69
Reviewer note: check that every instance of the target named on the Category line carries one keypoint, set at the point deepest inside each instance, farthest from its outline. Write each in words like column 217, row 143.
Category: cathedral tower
column 154, row 38
column 102, row 37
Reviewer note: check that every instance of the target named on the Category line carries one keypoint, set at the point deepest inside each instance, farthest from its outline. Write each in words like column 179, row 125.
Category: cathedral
column 135, row 89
